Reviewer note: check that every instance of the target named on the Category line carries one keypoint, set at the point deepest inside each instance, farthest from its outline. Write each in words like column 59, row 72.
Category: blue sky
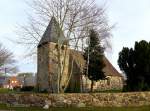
column 132, row 19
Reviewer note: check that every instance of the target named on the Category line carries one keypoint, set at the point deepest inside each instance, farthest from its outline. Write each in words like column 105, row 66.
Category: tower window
column 56, row 46
column 62, row 47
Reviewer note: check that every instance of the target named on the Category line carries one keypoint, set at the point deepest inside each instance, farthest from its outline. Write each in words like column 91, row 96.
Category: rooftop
column 53, row 33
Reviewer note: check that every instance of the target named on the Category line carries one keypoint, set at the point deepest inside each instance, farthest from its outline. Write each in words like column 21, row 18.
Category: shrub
column 17, row 88
column 27, row 88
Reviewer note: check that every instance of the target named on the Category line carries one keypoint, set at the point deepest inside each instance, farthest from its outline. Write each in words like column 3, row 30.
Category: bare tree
column 7, row 61
column 75, row 18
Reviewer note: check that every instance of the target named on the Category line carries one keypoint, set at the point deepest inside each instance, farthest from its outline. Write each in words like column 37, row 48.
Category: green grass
column 5, row 107
column 9, row 91
column 143, row 108
column 3, row 90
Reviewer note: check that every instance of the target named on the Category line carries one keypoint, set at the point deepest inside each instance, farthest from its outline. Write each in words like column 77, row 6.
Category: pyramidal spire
column 53, row 33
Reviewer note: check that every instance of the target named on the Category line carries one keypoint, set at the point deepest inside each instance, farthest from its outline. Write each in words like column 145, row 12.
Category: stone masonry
column 78, row 100
column 72, row 64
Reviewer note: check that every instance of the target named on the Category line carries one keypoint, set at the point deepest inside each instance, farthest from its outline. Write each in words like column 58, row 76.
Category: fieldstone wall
column 78, row 100
column 111, row 83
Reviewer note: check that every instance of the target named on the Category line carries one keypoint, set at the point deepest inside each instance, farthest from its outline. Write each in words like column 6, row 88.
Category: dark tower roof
column 53, row 33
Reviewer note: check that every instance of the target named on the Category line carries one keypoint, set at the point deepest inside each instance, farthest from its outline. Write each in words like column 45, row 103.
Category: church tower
column 47, row 74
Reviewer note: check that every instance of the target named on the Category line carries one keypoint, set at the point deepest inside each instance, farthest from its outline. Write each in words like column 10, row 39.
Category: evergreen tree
column 135, row 63
column 94, row 56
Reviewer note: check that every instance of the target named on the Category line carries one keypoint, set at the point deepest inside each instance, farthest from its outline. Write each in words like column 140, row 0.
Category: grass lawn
column 3, row 90
column 144, row 108
column 10, row 91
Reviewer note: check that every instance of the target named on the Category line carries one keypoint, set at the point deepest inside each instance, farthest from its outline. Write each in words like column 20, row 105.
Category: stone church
column 73, row 78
